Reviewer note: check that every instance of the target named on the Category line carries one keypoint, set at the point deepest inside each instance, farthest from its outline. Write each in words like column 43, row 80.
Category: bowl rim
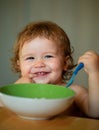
column 28, row 98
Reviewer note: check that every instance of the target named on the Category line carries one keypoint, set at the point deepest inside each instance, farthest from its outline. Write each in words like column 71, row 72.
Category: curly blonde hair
column 50, row 31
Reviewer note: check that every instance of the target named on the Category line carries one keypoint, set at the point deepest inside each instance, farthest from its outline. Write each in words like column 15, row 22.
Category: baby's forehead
column 44, row 42
column 52, row 39
column 40, row 39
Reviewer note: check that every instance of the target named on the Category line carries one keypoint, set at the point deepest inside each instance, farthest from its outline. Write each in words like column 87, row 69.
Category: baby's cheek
column 24, row 72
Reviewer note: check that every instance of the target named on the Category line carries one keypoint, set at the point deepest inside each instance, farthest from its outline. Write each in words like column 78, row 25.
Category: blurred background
column 79, row 19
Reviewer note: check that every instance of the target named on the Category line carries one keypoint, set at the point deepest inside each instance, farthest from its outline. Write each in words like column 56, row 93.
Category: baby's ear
column 66, row 62
column 18, row 64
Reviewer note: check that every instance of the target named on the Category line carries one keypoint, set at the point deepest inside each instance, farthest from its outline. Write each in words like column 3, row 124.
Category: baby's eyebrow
column 50, row 52
column 27, row 55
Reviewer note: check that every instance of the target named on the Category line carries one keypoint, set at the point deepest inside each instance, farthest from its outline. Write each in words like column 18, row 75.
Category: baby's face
column 42, row 61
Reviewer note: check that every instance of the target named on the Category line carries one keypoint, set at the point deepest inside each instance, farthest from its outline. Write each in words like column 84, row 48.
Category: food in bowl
column 36, row 101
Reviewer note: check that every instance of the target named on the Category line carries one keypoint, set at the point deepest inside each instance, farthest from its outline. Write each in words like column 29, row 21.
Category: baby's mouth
column 40, row 74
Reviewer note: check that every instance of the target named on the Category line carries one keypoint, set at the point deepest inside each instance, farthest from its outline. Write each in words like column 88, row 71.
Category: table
column 10, row 121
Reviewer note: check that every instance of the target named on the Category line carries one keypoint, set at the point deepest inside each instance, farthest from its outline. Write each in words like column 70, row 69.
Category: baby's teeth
column 41, row 73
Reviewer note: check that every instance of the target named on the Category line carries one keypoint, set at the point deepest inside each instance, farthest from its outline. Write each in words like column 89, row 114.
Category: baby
column 43, row 54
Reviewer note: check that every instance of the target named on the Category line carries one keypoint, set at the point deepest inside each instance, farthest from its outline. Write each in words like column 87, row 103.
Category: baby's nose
column 39, row 63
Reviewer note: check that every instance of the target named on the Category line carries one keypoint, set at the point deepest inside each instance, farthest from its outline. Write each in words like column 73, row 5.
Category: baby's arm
column 91, row 66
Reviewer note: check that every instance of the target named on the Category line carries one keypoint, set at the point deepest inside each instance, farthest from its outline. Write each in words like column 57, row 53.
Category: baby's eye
column 48, row 56
column 30, row 58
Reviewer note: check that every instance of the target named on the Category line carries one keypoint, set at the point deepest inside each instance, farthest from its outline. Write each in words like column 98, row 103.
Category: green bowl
column 37, row 91
column 36, row 101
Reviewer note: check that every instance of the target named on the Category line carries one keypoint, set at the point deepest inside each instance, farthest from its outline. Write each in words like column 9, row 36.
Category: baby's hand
column 91, row 62
column 23, row 80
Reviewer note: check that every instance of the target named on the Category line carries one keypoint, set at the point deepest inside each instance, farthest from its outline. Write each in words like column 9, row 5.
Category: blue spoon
column 79, row 67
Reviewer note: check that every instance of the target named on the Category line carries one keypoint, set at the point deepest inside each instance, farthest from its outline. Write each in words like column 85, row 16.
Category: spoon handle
column 79, row 66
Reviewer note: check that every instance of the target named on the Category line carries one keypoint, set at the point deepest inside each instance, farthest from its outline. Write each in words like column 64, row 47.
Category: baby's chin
column 45, row 82
column 40, row 82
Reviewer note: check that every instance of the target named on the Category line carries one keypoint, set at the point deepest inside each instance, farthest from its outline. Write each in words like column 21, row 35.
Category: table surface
column 10, row 121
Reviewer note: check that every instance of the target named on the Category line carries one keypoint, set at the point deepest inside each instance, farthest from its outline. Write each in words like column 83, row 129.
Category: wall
column 79, row 18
